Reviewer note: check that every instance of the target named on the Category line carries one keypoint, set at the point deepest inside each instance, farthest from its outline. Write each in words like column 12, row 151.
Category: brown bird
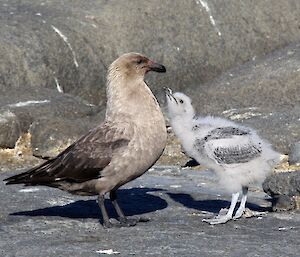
column 122, row 148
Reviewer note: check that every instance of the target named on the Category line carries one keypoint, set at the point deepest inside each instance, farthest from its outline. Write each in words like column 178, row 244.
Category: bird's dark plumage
column 82, row 161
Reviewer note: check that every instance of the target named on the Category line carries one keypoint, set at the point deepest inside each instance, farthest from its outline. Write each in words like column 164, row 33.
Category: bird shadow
column 213, row 206
column 191, row 163
column 135, row 201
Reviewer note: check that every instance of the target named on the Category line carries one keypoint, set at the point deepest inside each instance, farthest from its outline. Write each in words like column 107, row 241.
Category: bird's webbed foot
column 121, row 222
column 110, row 224
column 223, row 216
column 220, row 219
column 128, row 222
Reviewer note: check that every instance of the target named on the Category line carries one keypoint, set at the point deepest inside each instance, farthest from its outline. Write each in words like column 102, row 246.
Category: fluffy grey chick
column 236, row 153
column 122, row 148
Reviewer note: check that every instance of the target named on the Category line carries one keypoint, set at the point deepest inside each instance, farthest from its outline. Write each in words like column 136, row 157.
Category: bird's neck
column 128, row 96
column 182, row 125
column 182, row 128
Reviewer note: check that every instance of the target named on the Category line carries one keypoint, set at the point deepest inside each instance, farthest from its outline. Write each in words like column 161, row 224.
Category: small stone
column 283, row 203
column 294, row 155
column 285, row 183
column 284, row 188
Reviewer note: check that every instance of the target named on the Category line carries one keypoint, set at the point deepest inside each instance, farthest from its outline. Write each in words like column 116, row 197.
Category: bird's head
column 179, row 105
column 134, row 65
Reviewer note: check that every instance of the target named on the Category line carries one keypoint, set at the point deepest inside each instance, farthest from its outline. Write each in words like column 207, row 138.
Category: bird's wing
column 229, row 145
column 93, row 152
column 236, row 154
column 84, row 159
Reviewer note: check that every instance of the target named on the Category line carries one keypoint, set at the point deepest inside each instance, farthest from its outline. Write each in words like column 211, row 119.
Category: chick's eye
column 181, row 101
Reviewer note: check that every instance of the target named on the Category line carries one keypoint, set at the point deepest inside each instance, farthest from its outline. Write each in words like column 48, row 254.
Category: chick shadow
column 135, row 201
column 213, row 206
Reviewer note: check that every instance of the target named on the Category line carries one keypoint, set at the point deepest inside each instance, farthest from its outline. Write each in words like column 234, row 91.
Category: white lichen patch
column 5, row 116
column 108, row 252
column 65, row 39
column 175, row 186
column 60, row 202
column 242, row 114
column 29, row 190
column 58, row 86
column 204, row 4
column 29, row 103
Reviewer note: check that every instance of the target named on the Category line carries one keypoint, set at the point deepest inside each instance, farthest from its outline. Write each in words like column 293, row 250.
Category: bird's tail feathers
column 36, row 175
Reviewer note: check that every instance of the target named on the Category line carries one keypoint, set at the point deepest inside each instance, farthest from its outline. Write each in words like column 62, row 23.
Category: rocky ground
column 42, row 221
column 238, row 60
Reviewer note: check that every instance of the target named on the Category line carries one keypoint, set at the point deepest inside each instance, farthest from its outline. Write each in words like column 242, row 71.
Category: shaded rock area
column 285, row 190
column 40, row 221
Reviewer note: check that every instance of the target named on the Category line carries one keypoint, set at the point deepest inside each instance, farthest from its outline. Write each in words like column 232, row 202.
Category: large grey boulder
column 68, row 45
column 10, row 129
column 51, row 136
column 53, row 119
column 262, row 93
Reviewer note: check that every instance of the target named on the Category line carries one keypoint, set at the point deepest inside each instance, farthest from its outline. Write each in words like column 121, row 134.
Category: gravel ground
column 41, row 221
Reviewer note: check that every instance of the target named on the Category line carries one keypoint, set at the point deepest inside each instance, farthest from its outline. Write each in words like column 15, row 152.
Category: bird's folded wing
column 87, row 157
column 84, row 159
column 236, row 154
column 229, row 145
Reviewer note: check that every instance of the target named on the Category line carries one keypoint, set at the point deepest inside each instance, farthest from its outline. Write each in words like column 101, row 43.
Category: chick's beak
column 168, row 91
column 169, row 94
column 153, row 66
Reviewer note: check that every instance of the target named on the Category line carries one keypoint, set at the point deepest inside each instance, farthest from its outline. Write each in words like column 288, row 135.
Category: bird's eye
column 139, row 61
column 181, row 101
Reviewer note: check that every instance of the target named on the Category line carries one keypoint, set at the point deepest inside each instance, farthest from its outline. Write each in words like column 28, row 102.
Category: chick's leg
column 241, row 209
column 220, row 219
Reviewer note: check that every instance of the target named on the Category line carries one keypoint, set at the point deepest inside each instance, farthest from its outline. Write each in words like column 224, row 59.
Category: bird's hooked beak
column 153, row 66
column 169, row 94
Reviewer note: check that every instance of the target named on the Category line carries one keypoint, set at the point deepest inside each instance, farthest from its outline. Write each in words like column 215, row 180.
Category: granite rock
column 283, row 187
column 262, row 93
column 294, row 155
column 9, row 129
column 67, row 46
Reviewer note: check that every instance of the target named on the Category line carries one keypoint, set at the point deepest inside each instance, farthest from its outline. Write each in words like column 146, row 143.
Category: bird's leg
column 106, row 222
column 241, row 209
column 122, row 218
column 220, row 219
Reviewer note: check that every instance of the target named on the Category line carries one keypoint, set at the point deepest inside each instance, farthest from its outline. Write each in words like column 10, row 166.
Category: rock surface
column 294, row 155
column 284, row 187
column 10, row 129
column 68, row 46
column 54, row 119
column 40, row 221
column 263, row 93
